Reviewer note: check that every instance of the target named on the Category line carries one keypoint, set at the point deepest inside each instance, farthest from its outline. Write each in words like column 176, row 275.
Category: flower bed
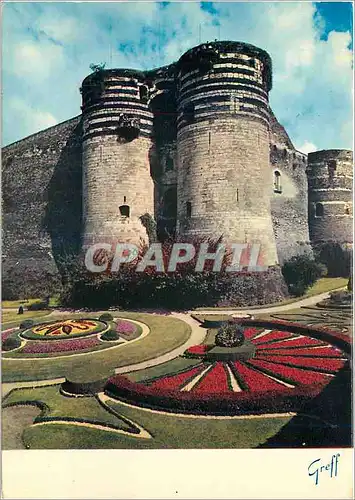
column 125, row 327
column 289, row 374
column 216, row 380
column 68, row 328
column 328, row 365
column 274, row 335
column 281, row 377
column 296, row 342
column 318, row 352
column 73, row 345
column 176, row 381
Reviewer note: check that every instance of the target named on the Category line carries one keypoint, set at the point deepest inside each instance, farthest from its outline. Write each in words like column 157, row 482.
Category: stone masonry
column 194, row 144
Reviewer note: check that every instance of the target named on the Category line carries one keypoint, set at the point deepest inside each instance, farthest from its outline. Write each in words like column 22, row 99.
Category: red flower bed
column 198, row 349
column 260, row 393
column 298, row 342
column 289, row 374
column 228, row 403
column 254, row 380
column 274, row 335
column 250, row 332
column 318, row 352
column 60, row 345
column 326, row 364
column 176, row 381
column 215, row 380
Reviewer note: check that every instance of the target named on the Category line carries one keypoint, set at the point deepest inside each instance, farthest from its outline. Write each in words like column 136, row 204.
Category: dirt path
column 197, row 336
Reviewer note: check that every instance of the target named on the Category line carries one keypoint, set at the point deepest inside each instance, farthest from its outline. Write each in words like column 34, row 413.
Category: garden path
column 197, row 336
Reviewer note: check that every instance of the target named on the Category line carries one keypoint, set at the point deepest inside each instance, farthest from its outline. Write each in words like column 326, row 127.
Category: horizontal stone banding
column 99, row 133
column 220, row 77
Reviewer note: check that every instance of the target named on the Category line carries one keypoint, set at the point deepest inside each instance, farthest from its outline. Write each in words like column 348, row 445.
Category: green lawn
column 168, row 430
column 166, row 333
column 11, row 318
column 335, row 319
column 173, row 366
column 15, row 304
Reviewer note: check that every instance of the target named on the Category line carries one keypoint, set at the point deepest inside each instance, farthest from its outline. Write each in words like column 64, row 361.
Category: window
column 143, row 93
column 332, row 165
column 319, row 210
column 169, row 203
column 188, row 209
column 169, row 165
column 189, row 112
column 277, row 182
column 124, row 210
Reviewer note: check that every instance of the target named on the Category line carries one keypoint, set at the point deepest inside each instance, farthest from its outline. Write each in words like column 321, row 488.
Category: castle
column 194, row 144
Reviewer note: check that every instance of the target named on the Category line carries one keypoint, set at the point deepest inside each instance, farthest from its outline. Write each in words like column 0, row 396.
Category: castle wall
column 117, row 139
column 224, row 177
column 330, row 179
column 163, row 159
column 41, row 207
column 289, row 202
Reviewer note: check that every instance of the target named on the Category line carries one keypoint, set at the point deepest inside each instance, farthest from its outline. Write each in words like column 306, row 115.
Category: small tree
column 95, row 68
column 301, row 272
column 230, row 335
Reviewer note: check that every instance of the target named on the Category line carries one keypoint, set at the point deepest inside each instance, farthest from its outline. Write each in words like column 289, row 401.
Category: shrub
column 38, row 305
column 106, row 317
column 230, row 335
column 341, row 297
column 11, row 343
column 336, row 257
column 110, row 335
column 300, row 272
column 27, row 324
column 181, row 289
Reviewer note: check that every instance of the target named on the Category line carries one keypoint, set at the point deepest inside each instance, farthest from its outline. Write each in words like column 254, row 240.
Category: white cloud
column 48, row 48
column 307, row 147
column 31, row 118
column 35, row 61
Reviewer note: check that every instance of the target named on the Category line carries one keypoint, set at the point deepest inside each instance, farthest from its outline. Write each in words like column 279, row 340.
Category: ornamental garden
column 209, row 379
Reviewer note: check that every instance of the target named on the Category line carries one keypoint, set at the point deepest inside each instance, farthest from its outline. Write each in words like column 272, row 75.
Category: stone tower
column 117, row 138
column 330, row 179
column 224, row 175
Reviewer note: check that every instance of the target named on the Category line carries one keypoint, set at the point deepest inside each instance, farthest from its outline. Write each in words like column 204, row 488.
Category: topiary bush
column 110, row 335
column 38, row 305
column 336, row 257
column 301, row 272
column 11, row 343
column 106, row 317
column 27, row 324
column 230, row 335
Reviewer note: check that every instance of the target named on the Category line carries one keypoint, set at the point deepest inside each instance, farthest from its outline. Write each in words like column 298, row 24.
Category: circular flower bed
column 290, row 364
column 68, row 337
column 64, row 329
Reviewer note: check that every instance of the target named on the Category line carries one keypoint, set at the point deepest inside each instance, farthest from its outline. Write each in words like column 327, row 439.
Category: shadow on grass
column 325, row 421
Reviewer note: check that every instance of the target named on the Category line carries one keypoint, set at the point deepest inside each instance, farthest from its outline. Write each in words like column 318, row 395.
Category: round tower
column 224, row 174
column 117, row 139
column 330, row 179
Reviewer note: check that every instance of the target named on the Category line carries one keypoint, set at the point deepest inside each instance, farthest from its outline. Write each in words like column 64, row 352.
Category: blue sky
column 48, row 48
